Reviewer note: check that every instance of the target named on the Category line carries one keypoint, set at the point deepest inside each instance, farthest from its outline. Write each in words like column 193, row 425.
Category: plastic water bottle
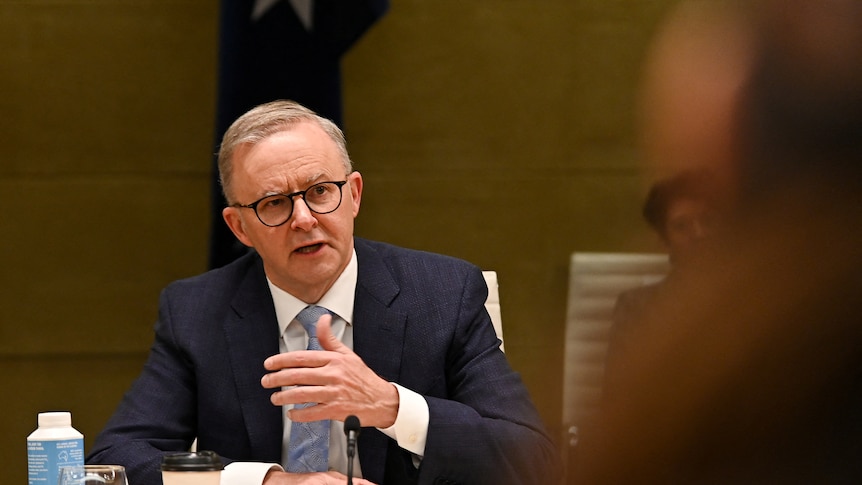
column 54, row 444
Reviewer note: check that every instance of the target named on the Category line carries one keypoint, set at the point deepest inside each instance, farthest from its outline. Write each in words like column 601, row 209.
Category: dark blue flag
column 280, row 49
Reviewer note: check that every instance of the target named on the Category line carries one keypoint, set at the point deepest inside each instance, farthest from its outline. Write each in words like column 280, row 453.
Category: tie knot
column 308, row 318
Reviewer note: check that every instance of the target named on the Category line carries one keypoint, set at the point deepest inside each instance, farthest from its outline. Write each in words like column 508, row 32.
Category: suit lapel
column 378, row 338
column 253, row 322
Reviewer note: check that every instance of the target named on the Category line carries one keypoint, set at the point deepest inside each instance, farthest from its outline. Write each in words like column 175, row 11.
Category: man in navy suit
column 408, row 348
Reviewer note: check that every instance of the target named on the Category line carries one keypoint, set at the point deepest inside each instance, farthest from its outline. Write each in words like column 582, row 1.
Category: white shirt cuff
column 246, row 473
column 411, row 424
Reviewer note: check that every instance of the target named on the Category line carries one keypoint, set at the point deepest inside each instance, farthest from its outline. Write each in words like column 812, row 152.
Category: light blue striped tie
column 308, row 450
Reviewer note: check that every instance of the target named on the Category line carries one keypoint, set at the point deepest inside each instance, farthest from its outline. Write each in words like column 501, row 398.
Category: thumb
column 327, row 339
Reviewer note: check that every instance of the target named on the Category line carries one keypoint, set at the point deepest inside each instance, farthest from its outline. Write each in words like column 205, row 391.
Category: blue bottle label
column 45, row 458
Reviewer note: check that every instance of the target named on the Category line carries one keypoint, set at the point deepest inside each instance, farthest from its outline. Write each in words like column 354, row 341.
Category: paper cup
column 191, row 468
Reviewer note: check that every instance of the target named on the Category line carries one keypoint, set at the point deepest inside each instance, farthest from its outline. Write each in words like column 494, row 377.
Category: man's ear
column 235, row 223
column 355, row 190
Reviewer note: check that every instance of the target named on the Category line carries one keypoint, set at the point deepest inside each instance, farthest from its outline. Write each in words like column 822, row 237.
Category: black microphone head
column 351, row 423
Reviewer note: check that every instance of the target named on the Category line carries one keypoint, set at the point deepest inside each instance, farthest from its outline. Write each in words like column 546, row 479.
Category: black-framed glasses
column 275, row 210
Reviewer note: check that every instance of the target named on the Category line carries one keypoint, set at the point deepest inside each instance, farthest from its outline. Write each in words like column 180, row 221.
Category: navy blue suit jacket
column 419, row 320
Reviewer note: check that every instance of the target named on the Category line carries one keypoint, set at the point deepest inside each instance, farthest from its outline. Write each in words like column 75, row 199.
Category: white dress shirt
column 411, row 424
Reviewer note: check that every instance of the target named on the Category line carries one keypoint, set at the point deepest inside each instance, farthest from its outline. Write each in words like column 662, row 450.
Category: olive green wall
column 500, row 131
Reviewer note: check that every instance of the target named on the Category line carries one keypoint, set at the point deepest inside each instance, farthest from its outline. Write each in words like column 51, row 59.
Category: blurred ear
column 235, row 222
column 355, row 179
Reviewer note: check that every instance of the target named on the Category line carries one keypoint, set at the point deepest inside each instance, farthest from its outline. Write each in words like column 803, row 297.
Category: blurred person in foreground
column 752, row 372
column 680, row 209
column 407, row 345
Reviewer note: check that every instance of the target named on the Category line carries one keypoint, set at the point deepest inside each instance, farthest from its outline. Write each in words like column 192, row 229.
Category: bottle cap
column 201, row 461
column 55, row 420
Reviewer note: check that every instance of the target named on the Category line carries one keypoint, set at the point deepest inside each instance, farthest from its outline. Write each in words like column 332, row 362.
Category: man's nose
column 302, row 217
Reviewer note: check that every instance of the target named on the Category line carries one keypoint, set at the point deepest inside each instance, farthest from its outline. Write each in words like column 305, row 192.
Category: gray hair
column 265, row 120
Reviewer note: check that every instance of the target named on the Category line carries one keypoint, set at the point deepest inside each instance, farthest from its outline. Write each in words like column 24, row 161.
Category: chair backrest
column 595, row 281
column 492, row 304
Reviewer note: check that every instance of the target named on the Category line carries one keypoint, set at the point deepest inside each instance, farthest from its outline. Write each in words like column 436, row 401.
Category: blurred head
column 681, row 210
column 283, row 148
column 694, row 72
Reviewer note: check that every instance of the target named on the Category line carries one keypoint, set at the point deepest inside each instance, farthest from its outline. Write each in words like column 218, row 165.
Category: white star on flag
column 304, row 10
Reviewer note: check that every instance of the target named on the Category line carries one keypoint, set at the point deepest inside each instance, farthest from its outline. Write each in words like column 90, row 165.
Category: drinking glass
column 93, row 475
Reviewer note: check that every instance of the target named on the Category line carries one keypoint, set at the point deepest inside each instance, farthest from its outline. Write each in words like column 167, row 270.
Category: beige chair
column 595, row 281
column 492, row 304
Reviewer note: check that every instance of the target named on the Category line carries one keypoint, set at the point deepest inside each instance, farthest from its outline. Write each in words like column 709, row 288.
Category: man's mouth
column 309, row 249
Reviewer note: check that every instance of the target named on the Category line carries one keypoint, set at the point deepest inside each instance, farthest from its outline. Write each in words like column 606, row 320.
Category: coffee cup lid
column 192, row 461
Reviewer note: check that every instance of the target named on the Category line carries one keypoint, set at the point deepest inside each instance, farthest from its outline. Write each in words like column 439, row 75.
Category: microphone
column 351, row 429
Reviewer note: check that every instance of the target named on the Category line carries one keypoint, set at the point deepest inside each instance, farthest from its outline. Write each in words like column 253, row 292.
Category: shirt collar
column 338, row 300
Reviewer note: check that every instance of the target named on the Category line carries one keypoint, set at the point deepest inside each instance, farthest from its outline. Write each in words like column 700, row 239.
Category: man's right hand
column 336, row 379
column 275, row 477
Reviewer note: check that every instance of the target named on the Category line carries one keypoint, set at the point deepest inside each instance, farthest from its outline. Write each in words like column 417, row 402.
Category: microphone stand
column 351, row 429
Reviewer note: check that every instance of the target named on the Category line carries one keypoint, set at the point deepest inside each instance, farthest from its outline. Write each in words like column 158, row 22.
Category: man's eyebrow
column 314, row 178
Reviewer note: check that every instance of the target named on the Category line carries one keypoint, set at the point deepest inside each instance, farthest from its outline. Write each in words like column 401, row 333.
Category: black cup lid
column 201, row 461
